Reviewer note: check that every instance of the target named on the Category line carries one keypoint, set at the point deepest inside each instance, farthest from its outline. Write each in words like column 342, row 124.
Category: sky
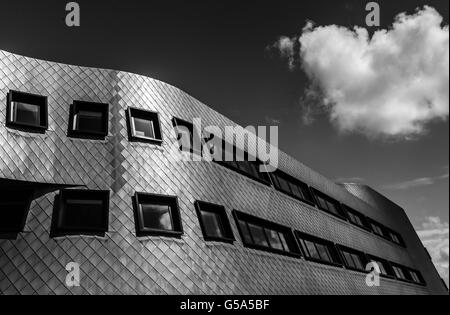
column 299, row 65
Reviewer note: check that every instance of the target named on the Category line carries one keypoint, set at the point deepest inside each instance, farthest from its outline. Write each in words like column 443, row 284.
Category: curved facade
column 121, row 262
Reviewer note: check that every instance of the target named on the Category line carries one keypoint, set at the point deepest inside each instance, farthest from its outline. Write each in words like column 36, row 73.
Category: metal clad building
column 121, row 262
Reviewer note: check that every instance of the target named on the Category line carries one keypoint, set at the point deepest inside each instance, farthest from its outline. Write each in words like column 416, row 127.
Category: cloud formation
column 435, row 236
column 418, row 182
column 390, row 85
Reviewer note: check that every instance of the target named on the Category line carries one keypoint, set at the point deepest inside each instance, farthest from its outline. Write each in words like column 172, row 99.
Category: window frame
column 387, row 266
column 193, row 131
column 363, row 257
column 275, row 176
column 364, row 219
column 220, row 211
column 264, row 177
column 288, row 235
column 78, row 106
column 341, row 212
column 31, row 128
column 80, row 194
column 12, row 233
column 302, row 237
column 401, row 241
column 141, row 198
column 147, row 115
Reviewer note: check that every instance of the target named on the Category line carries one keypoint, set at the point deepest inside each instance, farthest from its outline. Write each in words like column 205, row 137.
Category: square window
column 88, row 120
column 14, row 207
column 27, row 112
column 144, row 126
column 157, row 215
column 214, row 222
column 81, row 212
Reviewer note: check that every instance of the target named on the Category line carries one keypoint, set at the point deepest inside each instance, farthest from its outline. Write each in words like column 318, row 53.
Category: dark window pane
column 82, row 214
column 358, row 262
column 26, row 113
column 395, row 238
column 258, row 234
column 399, row 273
column 212, row 224
column 245, row 167
column 274, row 239
column 284, row 242
column 322, row 203
column 11, row 215
column 382, row 267
column 88, row 121
column 323, row 252
column 349, row 260
column 333, row 207
column 254, row 170
column 312, row 250
column 284, row 185
column 143, row 128
column 245, row 232
column 296, row 191
column 157, row 217
column 415, row 277
column 185, row 139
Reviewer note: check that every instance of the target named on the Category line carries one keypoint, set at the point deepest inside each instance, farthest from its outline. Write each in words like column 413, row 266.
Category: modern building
column 88, row 175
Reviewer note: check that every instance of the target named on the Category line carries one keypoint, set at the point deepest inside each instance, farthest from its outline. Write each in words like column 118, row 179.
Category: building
column 96, row 143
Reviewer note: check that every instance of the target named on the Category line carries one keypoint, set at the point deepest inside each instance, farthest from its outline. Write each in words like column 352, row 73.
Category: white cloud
column 435, row 236
column 389, row 85
column 418, row 182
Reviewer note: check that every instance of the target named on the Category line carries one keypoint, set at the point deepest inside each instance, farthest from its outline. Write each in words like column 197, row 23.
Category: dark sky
column 216, row 51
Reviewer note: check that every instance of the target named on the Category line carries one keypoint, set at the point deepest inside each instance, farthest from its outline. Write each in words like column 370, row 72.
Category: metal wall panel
column 123, row 264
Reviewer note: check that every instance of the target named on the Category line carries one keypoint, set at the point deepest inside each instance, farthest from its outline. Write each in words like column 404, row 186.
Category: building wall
column 123, row 264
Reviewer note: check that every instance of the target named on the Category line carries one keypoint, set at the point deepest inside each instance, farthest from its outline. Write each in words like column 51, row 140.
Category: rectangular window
column 143, row 126
column 81, row 212
column 318, row 250
column 416, row 277
column 400, row 272
column 14, row 207
column 353, row 259
column 292, row 187
column 329, row 204
column 264, row 235
column 27, row 112
column 403, row 273
column 385, row 267
column 214, row 222
column 250, row 167
column 396, row 238
column 88, row 120
column 157, row 215
column 357, row 218
column 188, row 137
column 377, row 229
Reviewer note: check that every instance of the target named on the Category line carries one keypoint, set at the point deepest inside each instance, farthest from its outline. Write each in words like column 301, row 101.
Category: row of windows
column 90, row 120
column 285, row 184
column 86, row 212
